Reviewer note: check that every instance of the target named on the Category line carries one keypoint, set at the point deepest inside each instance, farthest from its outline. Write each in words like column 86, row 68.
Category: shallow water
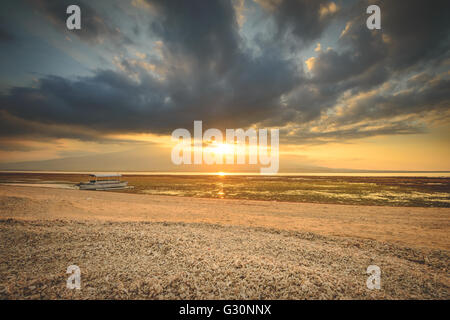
column 405, row 191
column 362, row 190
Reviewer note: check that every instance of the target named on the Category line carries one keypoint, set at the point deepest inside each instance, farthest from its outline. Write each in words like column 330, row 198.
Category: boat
column 103, row 182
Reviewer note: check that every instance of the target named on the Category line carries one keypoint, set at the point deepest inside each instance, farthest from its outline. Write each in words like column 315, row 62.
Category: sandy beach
column 161, row 247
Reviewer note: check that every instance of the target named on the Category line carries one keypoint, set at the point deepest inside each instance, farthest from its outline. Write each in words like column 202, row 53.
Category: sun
column 221, row 174
column 223, row 148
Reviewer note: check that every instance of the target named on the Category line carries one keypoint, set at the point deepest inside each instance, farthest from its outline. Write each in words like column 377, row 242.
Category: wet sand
column 154, row 247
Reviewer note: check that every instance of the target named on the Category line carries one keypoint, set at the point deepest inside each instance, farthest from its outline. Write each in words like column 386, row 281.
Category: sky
column 341, row 95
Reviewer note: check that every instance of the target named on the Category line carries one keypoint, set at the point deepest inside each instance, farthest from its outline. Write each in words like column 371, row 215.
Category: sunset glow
column 223, row 149
column 111, row 93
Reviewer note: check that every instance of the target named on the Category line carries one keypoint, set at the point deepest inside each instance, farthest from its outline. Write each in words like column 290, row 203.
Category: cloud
column 366, row 60
column 328, row 133
column 304, row 19
column 418, row 97
column 5, row 36
column 95, row 28
column 203, row 33
column 411, row 34
column 200, row 68
column 205, row 76
column 6, row 33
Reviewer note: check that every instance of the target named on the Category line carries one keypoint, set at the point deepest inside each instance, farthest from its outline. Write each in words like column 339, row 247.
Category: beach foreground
column 158, row 247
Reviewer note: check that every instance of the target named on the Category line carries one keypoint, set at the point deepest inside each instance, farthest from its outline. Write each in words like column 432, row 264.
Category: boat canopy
column 105, row 175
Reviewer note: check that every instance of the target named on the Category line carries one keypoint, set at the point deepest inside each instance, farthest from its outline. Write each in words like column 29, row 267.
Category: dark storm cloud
column 206, row 73
column 95, row 27
column 419, row 31
column 223, row 86
column 414, row 37
column 112, row 102
column 411, row 33
column 108, row 100
column 204, row 32
column 5, row 36
column 305, row 19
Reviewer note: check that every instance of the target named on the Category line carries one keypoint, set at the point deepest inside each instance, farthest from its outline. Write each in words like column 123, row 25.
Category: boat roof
column 105, row 175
